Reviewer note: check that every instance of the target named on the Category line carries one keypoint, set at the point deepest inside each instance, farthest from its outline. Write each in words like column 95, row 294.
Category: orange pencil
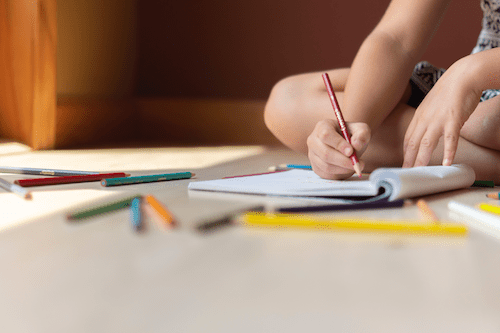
column 161, row 210
column 340, row 119
column 495, row 195
column 426, row 211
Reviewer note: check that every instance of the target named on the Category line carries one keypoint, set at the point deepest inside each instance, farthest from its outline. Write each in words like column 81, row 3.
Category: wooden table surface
column 99, row 275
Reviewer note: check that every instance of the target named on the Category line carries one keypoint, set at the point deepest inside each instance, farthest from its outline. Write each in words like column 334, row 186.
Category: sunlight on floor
column 137, row 159
column 16, row 210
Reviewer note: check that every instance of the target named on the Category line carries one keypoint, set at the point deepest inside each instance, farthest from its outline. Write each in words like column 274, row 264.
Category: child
column 397, row 111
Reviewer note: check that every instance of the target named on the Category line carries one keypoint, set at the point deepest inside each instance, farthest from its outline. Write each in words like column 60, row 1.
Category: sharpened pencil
column 146, row 179
column 16, row 189
column 426, row 211
column 161, row 211
column 340, row 119
column 67, row 179
column 303, row 221
column 44, row 172
column 493, row 195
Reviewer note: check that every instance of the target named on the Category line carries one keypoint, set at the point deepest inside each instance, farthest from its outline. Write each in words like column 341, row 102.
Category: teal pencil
column 145, row 179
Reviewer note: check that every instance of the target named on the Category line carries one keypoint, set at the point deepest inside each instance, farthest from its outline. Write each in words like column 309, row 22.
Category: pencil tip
column 357, row 169
column 493, row 195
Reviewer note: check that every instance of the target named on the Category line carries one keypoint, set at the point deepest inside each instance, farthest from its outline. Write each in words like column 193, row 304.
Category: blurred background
column 198, row 72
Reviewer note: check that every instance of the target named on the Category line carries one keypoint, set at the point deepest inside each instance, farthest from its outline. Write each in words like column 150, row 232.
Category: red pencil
column 254, row 174
column 68, row 179
column 340, row 119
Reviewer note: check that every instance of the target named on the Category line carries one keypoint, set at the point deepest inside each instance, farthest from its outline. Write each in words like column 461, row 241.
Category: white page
column 403, row 183
column 289, row 183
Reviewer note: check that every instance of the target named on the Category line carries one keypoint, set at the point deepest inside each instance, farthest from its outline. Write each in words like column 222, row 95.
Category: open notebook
column 384, row 183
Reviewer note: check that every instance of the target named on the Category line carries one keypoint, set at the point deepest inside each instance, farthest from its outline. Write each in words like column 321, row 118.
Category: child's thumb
column 360, row 135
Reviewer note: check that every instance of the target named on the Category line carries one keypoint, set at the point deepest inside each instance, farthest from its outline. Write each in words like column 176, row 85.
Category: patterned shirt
column 489, row 37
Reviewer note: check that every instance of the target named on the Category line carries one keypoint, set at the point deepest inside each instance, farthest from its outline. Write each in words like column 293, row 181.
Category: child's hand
column 328, row 151
column 442, row 113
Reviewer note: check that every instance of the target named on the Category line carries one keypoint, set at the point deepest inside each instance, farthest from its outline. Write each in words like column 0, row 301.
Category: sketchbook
column 383, row 183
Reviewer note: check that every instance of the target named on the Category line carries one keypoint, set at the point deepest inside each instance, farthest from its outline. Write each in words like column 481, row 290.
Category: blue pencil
column 283, row 167
column 298, row 166
column 135, row 213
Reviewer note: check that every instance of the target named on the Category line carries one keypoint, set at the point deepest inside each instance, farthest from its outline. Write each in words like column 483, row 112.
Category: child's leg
column 298, row 102
column 483, row 125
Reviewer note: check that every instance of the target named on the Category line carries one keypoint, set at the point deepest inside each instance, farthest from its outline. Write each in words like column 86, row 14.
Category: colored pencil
column 426, row 211
column 67, row 179
column 16, row 189
column 283, row 167
column 477, row 218
column 44, row 172
column 145, row 179
column 336, row 207
column 302, row 221
column 161, row 211
column 495, row 209
column 225, row 219
column 483, row 183
column 340, row 119
column 495, row 195
column 255, row 174
column 101, row 209
column 135, row 213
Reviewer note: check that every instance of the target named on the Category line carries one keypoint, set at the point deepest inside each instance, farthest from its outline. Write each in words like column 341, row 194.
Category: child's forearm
column 482, row 70
column 378, row 78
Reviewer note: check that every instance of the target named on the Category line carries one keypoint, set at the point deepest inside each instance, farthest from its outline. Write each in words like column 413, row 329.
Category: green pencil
column 101, row 209
column 145, row 179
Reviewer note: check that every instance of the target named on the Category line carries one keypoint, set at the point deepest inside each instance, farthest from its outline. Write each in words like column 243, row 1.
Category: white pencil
column 16, row 189
column 476, row 218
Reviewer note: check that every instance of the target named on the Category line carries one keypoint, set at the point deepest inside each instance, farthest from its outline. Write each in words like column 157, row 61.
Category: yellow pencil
column 495, row 209
column 426, row 211
column 161, row 210
column 313, row 222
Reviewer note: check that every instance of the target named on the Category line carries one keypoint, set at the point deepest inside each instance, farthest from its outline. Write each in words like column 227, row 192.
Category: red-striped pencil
column 68, row 179
column 340, row 119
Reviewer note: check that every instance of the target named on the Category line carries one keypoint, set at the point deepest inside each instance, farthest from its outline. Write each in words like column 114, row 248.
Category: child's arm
column 384, row 63
column 449, row 105
column 377, row 80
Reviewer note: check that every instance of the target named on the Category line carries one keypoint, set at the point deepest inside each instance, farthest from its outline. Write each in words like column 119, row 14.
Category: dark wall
column 239, row 49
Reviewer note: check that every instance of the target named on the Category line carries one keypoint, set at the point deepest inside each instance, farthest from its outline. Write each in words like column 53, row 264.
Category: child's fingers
column 326, row 132
column 427, row 145
column 328, row 154
column 451, row 136
column 412, row 143
column 327, row 170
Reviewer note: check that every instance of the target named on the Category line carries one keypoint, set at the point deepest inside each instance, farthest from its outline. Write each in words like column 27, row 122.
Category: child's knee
column 282, row 101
